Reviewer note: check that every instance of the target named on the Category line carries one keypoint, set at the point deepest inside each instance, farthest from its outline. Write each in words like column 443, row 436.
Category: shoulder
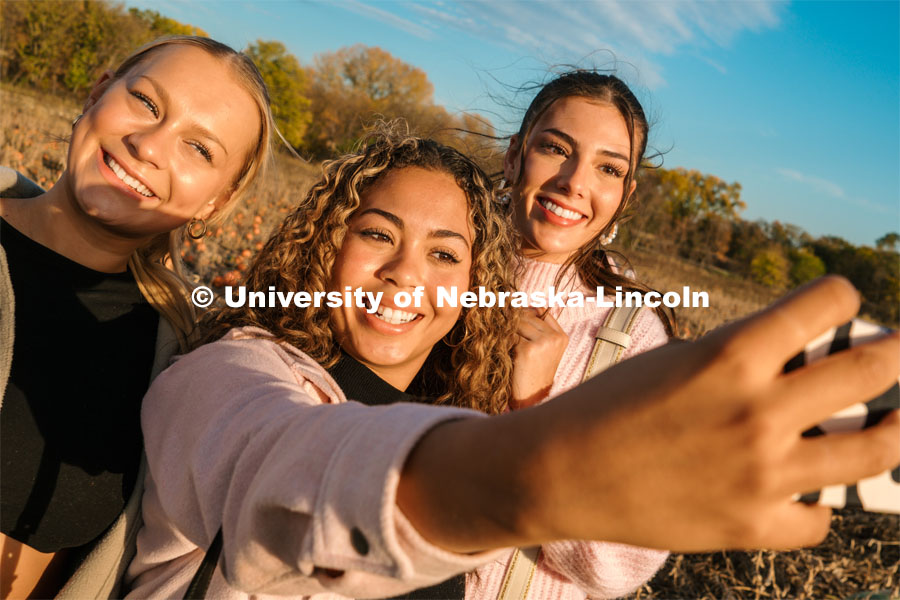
column 647, row 332
column 244, row 359
column 15, row 185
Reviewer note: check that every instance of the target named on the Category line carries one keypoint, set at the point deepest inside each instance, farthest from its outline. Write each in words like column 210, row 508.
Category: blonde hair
column 157, row 266
column 473, row 365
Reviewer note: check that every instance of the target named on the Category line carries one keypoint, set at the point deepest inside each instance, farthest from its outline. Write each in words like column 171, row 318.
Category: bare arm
column 689, row 447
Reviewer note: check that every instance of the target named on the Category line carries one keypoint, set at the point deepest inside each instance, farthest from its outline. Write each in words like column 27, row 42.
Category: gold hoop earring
column 192, row 229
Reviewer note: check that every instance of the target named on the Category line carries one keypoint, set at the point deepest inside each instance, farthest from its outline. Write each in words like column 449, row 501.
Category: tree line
column 323, row 108
column 697, row 216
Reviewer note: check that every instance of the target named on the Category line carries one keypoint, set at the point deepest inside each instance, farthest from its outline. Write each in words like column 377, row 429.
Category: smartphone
column 882, row 492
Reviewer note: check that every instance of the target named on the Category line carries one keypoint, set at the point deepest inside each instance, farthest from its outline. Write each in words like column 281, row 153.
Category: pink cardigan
column 256, row 437
column 574, row 569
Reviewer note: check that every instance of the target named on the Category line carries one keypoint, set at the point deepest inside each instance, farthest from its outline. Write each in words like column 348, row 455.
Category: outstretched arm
column 689, row 447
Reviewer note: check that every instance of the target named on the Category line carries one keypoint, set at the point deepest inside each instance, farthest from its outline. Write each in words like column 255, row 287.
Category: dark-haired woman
column 569, row 173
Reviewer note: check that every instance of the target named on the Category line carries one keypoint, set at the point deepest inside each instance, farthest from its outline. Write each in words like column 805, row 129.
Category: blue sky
column 799, row 102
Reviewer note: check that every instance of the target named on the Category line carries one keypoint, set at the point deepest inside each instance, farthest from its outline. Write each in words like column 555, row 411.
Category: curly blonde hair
column 473, row 366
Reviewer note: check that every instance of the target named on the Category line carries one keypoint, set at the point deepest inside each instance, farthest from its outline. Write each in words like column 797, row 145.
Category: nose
column 404, row 268
column 574, row 176
column 149, row 145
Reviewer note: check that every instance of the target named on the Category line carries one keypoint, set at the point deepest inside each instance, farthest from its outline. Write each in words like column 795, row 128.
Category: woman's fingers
column 844, row 458
column 826, row 386
column 795, row 525
column 551, row 322
column 783, row 329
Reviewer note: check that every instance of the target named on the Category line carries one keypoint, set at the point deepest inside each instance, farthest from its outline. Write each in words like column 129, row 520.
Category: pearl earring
column 609, row 237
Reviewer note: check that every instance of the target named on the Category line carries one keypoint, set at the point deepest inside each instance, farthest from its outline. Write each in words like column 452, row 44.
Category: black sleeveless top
column 361, row 384
column 70, row 432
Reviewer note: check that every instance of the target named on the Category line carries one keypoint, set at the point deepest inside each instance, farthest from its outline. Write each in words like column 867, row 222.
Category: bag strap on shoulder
column 518, row 577
column 612, row 339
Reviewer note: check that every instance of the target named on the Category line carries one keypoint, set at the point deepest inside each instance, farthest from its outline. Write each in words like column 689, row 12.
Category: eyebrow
column 398, row 222
column 571, row 141
column 200, row 129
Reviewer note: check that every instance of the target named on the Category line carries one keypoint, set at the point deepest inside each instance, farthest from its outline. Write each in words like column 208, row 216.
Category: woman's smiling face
column 411, row 229
column 163, row 143
column 570, row 179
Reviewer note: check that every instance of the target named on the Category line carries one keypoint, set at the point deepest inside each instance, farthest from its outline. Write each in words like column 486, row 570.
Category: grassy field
column 862, row 552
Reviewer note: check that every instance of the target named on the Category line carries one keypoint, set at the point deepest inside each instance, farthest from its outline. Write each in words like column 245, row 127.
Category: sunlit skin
column 179, row 123
column 411, row 229
column 576, row 158
column 183, row 143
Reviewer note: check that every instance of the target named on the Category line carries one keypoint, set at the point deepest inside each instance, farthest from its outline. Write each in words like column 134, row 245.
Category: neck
column 543, row 256
column 55, row 220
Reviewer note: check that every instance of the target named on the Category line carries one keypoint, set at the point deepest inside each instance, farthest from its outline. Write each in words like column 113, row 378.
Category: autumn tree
column 770, row 268
column 352, row 87
column 63, row 46
column 160, row 25
column 287, row 83
column 805, row 266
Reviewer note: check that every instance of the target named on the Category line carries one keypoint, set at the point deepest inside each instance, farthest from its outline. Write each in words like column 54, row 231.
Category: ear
column 631, row 190
column 98, row 89
column 511, row 160
column 210, row 208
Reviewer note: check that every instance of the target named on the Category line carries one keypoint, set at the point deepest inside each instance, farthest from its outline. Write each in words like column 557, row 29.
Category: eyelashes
column 201, row 148
column 558, row 149
column 146, row 102
column 444, row 255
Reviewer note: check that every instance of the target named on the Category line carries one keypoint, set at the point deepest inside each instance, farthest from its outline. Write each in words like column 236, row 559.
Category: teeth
column 394, row 316
column 130, row 181
column 558, row 210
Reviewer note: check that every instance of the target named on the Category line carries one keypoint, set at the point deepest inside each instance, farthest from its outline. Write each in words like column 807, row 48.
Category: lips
column 558, row 210
column 395, row 316
column 123, row 176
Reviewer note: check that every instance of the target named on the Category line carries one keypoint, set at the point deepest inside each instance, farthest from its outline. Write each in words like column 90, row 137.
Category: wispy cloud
column 630, row 29
column 387, row 17
column 817, row 183
column 830, row 188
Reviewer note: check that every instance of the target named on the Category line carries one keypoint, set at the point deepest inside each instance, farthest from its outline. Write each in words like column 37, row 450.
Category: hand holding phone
column 882, row 492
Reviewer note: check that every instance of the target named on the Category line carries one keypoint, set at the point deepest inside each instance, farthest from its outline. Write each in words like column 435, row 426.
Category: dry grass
column 730, row 297
column 862, row 552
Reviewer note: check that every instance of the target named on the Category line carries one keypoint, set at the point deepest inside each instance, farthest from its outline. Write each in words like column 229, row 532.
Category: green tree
column 287, row 85
column 888, row 241
column 770, row 268
column 160, row 25
column 805, row 266
column 63, row 46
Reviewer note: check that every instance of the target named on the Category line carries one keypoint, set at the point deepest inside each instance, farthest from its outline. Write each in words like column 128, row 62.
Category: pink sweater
column 573, row 569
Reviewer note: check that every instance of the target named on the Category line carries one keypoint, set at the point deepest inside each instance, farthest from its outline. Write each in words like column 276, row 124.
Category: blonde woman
column 164, row 146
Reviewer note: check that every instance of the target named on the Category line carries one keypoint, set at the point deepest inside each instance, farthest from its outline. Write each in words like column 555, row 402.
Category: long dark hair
column 594, row 263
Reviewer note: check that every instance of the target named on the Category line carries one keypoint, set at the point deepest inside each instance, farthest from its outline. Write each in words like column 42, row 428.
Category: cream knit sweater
column 575, row 569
